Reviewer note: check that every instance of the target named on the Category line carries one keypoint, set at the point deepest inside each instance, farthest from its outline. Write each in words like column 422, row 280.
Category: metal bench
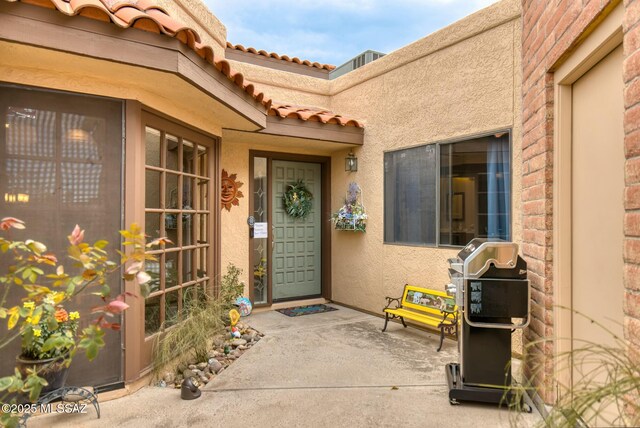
column 422, row 305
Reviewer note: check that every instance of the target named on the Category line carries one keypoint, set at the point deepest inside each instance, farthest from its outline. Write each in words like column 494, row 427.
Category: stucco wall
column 197, row 16
column 454, row 83
column 285, row 86
column 465, row 89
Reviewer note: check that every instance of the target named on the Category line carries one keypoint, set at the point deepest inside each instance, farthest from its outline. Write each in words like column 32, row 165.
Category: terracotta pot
column 53, row 370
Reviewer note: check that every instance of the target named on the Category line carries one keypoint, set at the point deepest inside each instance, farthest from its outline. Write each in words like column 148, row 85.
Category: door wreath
column 297, row 200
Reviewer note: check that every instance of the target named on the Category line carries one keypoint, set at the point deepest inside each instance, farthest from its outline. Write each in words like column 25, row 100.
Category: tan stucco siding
column 457, row 91
column 464, row 90
column 285, row 86
column 466, row 28
column 196, row 15
column 459, row 82
column 516, row 147
column 234, row 228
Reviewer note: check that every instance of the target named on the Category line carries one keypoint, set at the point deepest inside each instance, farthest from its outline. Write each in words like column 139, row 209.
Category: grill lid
column 470, row 248
column 480, row 254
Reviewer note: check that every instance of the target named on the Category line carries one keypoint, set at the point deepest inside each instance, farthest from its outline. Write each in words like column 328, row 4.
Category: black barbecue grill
column 489, row 282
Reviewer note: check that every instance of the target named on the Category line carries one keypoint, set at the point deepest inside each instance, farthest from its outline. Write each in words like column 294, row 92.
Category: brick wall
column 631, row 73
column 551, row 29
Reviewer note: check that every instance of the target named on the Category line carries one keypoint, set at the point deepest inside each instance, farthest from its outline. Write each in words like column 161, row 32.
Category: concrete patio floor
column 331, row 369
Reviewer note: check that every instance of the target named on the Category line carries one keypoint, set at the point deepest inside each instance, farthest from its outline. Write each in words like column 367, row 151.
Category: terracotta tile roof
column 147, row 15
column 311, row 114
column 281, row 57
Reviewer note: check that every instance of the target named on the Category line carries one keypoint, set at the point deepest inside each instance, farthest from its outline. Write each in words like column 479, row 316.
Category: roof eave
column 276, row 64
column 47, row 28
column 317, row 131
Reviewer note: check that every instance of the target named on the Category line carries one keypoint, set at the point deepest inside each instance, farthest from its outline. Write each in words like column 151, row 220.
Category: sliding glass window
column 410, row 178
column 462, row 190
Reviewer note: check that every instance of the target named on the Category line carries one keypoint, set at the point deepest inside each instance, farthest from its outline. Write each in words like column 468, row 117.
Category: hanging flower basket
column 297, row 200
column 352, row 215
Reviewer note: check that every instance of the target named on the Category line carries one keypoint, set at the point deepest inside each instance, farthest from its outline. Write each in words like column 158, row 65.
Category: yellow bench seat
column 424, row 319
column 422, row 305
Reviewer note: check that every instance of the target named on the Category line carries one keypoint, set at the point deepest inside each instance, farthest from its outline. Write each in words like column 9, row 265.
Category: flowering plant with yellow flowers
column 49, row 331
column 44, row 284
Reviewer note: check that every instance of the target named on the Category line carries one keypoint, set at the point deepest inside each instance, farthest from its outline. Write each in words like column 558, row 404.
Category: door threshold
column 291, row 304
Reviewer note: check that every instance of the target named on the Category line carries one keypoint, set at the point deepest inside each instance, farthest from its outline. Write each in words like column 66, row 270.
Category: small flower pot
column 53, row 370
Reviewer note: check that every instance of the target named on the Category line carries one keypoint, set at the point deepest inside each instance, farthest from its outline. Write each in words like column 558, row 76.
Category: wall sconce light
column 351, row 162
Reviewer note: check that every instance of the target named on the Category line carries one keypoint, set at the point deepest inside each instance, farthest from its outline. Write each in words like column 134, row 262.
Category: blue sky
column 334, row 31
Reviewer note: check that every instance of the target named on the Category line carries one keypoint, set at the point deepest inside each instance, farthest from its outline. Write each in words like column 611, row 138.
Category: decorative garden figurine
column 230, row 192
column 235, row 333
column 234, row 316
column 244, row 306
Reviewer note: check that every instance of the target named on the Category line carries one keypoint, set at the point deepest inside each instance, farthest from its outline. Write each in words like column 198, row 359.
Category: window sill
column 433, row 246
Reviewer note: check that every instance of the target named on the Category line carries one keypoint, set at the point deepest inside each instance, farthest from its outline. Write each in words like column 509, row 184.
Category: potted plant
column 48, row 337
column 48, row 332
column 352, row 215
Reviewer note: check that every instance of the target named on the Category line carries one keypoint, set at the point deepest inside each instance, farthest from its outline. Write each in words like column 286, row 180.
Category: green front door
column 297, row 264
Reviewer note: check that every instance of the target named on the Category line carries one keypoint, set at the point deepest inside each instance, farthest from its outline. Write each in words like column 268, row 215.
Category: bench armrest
column 391, row 300
column 447, row 314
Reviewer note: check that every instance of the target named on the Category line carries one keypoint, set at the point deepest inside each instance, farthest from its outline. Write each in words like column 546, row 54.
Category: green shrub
column 230, row 286
column 202, row 319
column 190, row 338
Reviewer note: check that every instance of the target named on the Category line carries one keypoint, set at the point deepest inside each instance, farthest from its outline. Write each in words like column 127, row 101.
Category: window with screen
column 61, row 165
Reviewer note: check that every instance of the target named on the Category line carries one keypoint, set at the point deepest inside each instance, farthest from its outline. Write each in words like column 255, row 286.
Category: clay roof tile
column 149, row 16
column 295, row 60
column 311, row 114
column 205, row 51
column 170, row 25
column 150, row 5
column 130, row 15
column 64, row 7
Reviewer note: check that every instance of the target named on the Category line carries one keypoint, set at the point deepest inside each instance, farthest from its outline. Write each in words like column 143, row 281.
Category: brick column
column 551, row 29
column 631, row 46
